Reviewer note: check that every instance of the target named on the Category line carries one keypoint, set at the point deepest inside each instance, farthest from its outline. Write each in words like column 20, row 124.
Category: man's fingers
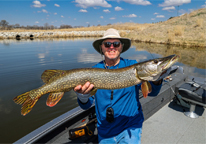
column 77, row 88
column 89, row 89
column 85, row 87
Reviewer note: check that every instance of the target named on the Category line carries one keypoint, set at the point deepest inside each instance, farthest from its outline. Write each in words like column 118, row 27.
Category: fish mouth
column 169, row 61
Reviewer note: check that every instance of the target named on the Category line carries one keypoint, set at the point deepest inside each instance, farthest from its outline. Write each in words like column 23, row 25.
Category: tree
column 4, row 24
column 46, row 26
column 51, row 27
column 17, row 26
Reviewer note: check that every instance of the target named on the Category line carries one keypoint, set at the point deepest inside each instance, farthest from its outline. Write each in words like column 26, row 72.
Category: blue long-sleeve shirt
column 125, row 103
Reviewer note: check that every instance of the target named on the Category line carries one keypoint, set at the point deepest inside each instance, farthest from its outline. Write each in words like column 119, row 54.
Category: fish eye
column 155, row 61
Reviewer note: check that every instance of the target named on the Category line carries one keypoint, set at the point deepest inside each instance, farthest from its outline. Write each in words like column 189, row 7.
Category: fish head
column 152, row 69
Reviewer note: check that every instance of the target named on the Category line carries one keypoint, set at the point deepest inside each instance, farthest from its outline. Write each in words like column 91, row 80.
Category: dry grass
column 199, row 23
column 179, row 30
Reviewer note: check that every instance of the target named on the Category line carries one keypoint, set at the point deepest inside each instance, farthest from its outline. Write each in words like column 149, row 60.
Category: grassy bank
column 188, row 30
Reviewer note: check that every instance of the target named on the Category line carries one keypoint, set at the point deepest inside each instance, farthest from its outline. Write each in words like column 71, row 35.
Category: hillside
column 188, row 29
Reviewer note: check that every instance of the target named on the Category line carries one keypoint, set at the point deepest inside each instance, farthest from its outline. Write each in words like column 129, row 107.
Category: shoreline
column 85, row 34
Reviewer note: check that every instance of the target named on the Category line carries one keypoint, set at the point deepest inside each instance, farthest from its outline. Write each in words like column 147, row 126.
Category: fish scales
column 101, row 78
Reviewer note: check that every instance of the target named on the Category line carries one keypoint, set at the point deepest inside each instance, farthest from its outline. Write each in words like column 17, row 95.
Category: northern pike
column 57, row 82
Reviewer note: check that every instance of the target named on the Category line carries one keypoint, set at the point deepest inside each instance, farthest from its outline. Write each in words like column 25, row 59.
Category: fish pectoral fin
column 48, row 74
column 93, row 91
column 146, row 88
column 54, row 98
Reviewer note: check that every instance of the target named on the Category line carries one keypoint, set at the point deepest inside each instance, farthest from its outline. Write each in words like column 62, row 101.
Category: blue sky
column 93, row 12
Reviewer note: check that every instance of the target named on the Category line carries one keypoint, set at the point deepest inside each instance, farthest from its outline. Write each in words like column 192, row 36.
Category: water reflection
column 86, row 57
column 194, row 57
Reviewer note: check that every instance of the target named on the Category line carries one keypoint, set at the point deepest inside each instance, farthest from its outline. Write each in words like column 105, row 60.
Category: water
column 23, row 62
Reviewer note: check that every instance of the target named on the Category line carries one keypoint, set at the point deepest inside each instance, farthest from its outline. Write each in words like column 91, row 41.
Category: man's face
column 114, row 50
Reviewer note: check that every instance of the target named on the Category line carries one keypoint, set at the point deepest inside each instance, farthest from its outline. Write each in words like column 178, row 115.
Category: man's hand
column 85, row 89
column 83, row 92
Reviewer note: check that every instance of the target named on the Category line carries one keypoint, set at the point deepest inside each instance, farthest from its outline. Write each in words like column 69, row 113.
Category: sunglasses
column 108, row 44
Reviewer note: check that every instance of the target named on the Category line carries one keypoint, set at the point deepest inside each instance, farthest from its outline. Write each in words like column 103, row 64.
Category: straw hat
column 112, row 33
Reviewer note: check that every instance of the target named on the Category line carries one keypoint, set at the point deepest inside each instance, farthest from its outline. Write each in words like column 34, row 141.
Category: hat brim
column 97, row 44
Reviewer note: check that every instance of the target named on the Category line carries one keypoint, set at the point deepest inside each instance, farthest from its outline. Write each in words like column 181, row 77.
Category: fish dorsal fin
column 48, row 74
column 146, row 88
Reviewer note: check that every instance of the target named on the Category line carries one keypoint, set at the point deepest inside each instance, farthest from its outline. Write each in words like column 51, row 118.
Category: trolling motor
column 194, row 94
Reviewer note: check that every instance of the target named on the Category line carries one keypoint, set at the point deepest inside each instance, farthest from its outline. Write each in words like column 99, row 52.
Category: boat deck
column 170, row 125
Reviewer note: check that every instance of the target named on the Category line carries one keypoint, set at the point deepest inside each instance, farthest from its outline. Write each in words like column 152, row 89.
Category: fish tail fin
column 21, row 98
column 28, row 105
column 26, row 101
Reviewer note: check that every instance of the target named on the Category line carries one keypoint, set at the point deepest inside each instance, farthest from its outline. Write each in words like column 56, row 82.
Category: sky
column 93, row 12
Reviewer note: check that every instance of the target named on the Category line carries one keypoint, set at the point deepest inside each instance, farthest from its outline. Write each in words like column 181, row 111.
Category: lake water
column 22, row 63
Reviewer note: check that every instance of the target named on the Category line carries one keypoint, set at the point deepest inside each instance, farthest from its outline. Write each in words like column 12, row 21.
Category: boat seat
column 193, row 93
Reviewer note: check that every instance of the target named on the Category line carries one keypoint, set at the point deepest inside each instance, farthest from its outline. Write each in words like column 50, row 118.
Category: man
column 119, row 113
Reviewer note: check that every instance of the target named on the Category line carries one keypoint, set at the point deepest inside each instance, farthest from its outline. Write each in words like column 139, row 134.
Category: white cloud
column 82, row 10
column 137, row 2
column 56, row 5
column 36, row 22
column 118, row 8
column 160, row 16
column 45, row 11
column 62, row 16
column 156, row 13
column 204, row 6
column 92, row 3
column 152, row 18
column 106, row 11
column 101, row 17
column 55, row 13
column 131, row 15
column 112, row 18
column 169, row 8
column 38, row 4
column 167, row 3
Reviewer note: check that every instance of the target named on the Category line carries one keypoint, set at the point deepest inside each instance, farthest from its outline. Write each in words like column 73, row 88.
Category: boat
column 79, row 126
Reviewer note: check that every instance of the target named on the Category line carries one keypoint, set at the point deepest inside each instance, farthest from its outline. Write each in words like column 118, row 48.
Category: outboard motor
column 193, row 93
